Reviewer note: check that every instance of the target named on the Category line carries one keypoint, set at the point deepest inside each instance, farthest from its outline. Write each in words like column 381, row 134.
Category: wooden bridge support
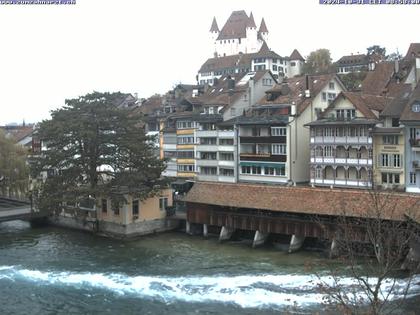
column 225, row 233
column 259, row 239
column 296, row 243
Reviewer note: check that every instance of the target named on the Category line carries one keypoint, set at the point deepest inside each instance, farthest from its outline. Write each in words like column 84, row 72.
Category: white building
column 238, row 35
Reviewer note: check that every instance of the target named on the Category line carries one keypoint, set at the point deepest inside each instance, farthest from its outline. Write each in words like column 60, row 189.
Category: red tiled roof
column 376, row 81
column 296, row 90
column 295, row 55
column 366, row 103
column 305, row 200
column 413, row 50
column 353, row 60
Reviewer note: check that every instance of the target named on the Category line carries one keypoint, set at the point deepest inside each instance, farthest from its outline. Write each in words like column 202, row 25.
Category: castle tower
column 263, row 31
column 214, row 33
column 251, row 36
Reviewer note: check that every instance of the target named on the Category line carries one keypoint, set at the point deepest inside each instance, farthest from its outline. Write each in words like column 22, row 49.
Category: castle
column 238, row 35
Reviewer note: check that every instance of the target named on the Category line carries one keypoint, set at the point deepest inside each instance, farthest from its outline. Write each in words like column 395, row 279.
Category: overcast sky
column 50, row 53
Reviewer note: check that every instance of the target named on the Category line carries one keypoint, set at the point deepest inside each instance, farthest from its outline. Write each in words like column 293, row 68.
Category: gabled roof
column 365, row 103
column 227, row 62
column 265, row 52
column 235, row 26
column 308, row 200
column 263, row 27
column 353, row 60
column 413, row 51
column 295, row 55
column 408, row 114
column 296, row 87
column 214, row 27
column 376, row 81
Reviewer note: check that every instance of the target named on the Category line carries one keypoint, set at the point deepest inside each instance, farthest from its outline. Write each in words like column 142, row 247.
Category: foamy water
column 247, row 291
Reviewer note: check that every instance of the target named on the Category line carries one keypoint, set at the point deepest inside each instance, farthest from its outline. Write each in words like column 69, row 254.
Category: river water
column 57, row 271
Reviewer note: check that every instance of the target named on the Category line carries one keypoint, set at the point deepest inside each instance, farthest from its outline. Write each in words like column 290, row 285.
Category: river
column 57, row 271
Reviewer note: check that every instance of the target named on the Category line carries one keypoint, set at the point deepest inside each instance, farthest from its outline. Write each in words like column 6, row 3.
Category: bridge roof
column 307, row 200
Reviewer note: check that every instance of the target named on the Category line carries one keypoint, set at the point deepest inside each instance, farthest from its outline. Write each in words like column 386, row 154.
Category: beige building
column 135, row 217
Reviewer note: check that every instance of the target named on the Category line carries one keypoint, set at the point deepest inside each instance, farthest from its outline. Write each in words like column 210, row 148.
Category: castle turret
column 251, row 35
column 263, row 31
column 214, row 33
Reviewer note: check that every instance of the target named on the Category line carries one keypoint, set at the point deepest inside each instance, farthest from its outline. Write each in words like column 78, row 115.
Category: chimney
column 307, row 90
column 396, row 66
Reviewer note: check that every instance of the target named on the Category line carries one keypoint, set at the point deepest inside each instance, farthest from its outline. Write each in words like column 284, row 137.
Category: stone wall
column 116, row 230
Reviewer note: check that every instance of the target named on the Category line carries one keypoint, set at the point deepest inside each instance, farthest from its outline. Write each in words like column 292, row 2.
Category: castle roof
column 235, row 26
column 296, row 55
column 263, row 27
column 251, row 22
column 214, row 27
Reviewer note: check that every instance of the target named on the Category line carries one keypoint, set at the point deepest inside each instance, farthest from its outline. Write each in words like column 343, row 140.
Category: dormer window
column 416, row 107
column 331, row 85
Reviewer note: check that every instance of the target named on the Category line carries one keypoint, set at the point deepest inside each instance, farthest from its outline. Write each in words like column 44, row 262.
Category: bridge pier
column 205, row 230
column 296, row 243
column 333, row 249
column 225, row 234
column 187, row 227
column 259, row 239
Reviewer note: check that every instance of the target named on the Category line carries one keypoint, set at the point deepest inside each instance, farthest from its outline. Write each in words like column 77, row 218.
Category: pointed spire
column 264, row 48
column 251, row 22
column 263, row 27
column 214, row 27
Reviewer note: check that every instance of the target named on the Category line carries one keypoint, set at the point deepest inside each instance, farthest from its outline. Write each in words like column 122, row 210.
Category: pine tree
column 95, row 149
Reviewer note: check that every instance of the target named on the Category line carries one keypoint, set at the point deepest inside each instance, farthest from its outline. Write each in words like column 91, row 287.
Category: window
column 184, row 124
column 116, row 209
column 384, row 160
column 185, row 140
column 396, row 160
column 278, row 131
column 274, row 67
column 267, row 82
column 104, row 205
column 324, row 96
column 293, row 64
column 208, row 141
column 256, row 132
column 390, row 139
column 135, row 208
column 245, row 97
column 232, row 112
column 254, row 170
column 318, row 172
column 185, row 168
column 208, row 155
column 328, row 151
column 413, row 178
column 206, row 170
column 395, row 122
column 226, row 141
column 227, row 172
column 226, row 156
column 331, row 86
column 413, row 133
column 163, row 203
column 390, row 178
column 185, row 154
column 278, row 149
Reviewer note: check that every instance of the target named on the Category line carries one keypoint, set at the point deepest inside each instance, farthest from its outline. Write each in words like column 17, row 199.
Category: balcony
column 416, row 165
column 341, row 140
column 206, row 133
column 342, row 161
column 415, row 144
column 349, row 182
column 203, row 162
